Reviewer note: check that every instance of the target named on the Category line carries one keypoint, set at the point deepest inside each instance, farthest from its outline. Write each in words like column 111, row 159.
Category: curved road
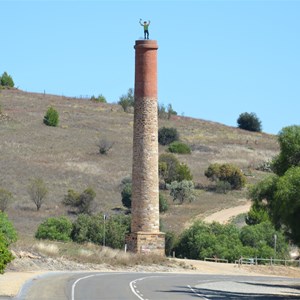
column 157, row 286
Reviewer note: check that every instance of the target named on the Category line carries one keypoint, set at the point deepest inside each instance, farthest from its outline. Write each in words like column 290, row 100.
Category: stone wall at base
column 146, row 242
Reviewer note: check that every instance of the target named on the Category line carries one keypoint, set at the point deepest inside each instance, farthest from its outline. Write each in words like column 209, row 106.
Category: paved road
column 158, row 286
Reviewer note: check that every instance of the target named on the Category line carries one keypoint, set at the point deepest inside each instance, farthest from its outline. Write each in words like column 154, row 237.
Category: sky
column 216, row 58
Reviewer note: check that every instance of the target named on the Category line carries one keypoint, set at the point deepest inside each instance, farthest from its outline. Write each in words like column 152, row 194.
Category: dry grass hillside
column 66, row 157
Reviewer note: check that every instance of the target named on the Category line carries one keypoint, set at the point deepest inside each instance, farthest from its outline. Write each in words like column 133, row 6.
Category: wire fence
column 268, row 261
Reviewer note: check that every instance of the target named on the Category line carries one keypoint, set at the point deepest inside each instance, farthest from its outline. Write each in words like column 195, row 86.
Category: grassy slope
column 67, row 156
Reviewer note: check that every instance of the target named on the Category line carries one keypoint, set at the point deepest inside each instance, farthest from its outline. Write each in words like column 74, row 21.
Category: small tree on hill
column 249, row 121
column 6, row 80
column 182, row 190
column 82, row 203
column 37, row 191
column 127, row 101
column 51, row 118
column 167, row 135
column 5, row 199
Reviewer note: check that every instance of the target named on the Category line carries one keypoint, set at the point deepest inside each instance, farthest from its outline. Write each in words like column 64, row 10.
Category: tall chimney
column 145, row 236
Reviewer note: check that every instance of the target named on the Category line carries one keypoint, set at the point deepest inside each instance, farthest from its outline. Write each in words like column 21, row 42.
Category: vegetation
column 182, row 190
column 165, row 113
column 6, row 81
column 249, row 121
column 55, row 229
column 100, row 99
column 170, row 169
column 37, row 191
column 51, row 117
column 226, row 173
column 179, row 147
column 167, row 135
column 5, row 199
column 104, row 146
column 99, row 230
column 127, row 101
column 8, row 235
column 126, row 195
column 82, row 203
column 228, row 242
column 278, row 195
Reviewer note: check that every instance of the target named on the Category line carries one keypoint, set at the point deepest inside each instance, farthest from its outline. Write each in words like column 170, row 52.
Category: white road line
column 197, row 293
column 85, row 277
column 132, row 285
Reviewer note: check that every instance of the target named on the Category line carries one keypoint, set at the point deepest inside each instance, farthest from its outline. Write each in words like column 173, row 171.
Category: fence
column 216, row 259
column 267, row 261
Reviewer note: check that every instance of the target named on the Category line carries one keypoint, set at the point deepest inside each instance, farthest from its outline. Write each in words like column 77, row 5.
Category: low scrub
column 179, row 148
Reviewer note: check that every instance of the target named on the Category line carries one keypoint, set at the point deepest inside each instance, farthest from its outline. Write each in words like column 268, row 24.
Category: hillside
column 67, row 157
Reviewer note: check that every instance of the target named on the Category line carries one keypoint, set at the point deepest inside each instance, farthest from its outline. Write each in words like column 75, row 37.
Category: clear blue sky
column 216, row 59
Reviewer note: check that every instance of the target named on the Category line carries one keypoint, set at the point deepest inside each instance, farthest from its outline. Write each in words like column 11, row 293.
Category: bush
column 82, row 203
column 37, row 191
column 126, row 195
column 163, row 203
column 170, row 169
column 5, row 199
column 58, row 229
column 167, row 135
column 6, row 80
column 51, row 118
column 249, row 122
column 7, row 230
column 181, row 191
column 226, row 173
column 88, row 228
column 5, row 255
column 104, row 146
column 179, row 147
column 127, row 101
column 222, row 187
column 117, row 226
column 170, row 242
column 100, row 99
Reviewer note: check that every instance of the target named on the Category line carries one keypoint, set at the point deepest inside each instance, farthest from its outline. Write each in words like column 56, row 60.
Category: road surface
column 158, row 286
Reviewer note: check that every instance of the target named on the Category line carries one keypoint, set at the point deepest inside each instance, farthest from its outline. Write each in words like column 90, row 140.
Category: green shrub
column 51, row 118
column 182, row 190
column 88, row 228
column 5, row 199
column 100, row 99
column 104, row 146
column 170, row 242
column 170, row 169
column 82, row 203
column 167, row 135
column 7, row 229
column 117, row 226
column 249, row 122
column 5, row 255
column 58, row 229
column 163, row 203
column 179, row 147
column 127, row 101
column 126, row 195
column 226, row 173
column 6, row 80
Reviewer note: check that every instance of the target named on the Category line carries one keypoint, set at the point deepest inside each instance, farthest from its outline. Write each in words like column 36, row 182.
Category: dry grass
column 67, row 157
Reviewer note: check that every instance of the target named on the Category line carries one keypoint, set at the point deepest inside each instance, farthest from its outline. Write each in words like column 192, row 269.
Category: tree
column 51, row 117
column 289, row 155
column 127, row 100
column 37, row 191
column 82, row 203
column 167, row 135
column 5, row 199
column 100, row 99
column 6, row 80
column 249, row 121
column 227, row 173
column 182, row 190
